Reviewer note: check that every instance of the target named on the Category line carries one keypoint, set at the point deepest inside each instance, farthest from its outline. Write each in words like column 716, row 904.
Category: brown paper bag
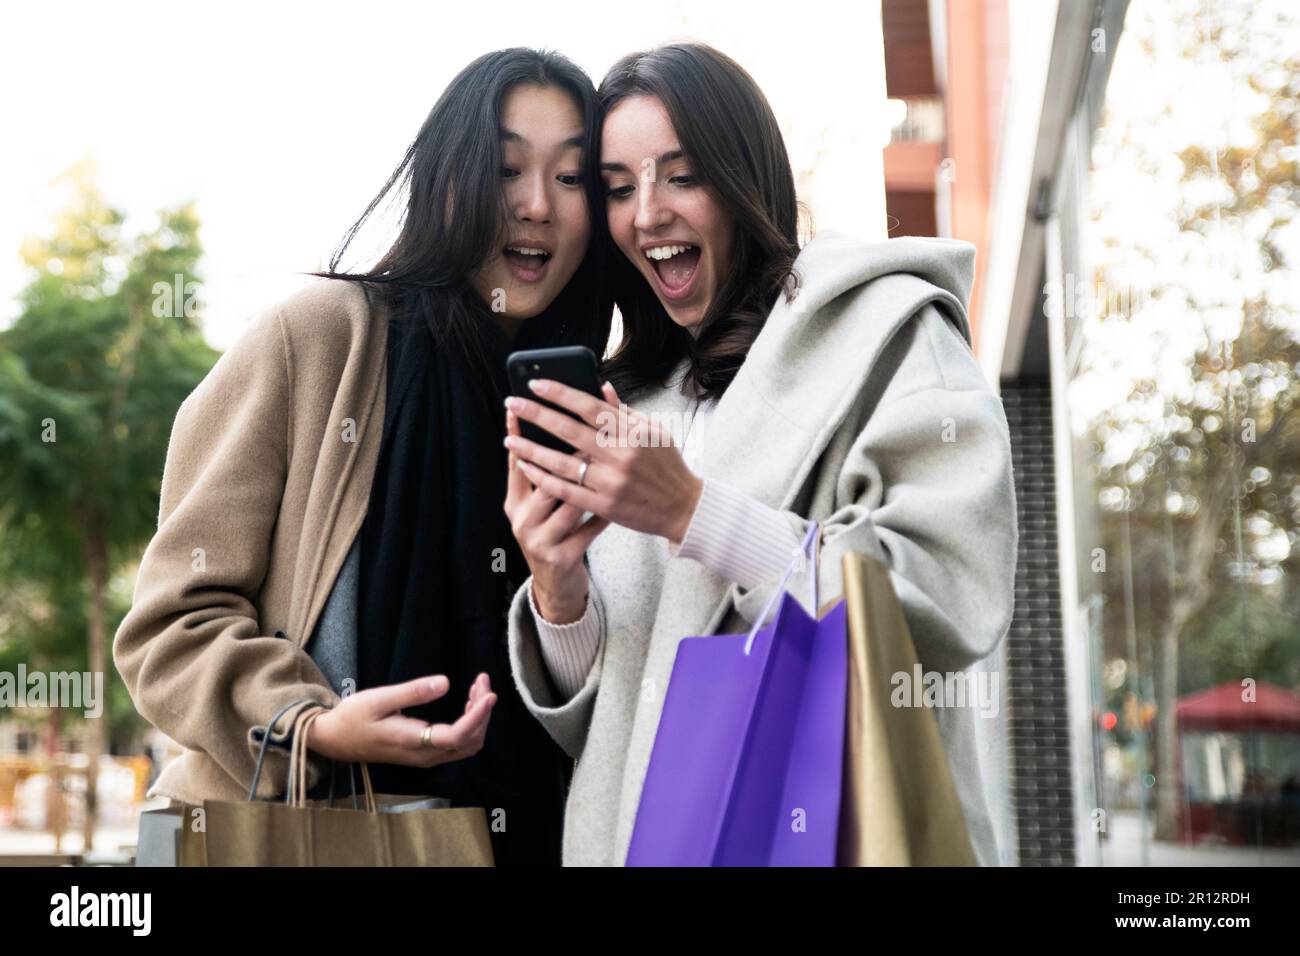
column 273, row 834
column 899, row 805
column 314, row 833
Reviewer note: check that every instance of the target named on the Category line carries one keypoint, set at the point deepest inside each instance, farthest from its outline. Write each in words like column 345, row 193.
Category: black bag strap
column 266, row 739
column 352, row 782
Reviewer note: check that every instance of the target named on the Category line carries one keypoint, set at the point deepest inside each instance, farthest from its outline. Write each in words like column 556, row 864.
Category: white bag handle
column 808, row 548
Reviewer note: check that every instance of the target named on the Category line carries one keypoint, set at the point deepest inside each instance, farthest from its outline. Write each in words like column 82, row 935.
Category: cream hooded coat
column 861, row 405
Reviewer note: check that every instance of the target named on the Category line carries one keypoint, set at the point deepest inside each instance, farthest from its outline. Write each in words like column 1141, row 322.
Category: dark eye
column 684, row 180
column 618, row 192
column 508, row 173
column 570, row 180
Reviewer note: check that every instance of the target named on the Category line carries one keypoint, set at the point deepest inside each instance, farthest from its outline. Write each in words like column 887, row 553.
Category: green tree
column 91, row 376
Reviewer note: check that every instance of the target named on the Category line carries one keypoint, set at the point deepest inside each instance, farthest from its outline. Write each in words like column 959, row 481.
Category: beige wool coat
column 265, row 486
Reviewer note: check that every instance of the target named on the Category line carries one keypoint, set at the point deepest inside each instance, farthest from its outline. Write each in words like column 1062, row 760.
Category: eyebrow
column 667, row 157
column 510, row 136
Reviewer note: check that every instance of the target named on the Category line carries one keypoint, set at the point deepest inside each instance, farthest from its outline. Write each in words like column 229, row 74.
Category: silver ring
column 582, row 471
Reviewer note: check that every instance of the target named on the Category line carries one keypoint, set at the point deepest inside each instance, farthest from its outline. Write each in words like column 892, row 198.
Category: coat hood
column 817, row 352
column 834, row 263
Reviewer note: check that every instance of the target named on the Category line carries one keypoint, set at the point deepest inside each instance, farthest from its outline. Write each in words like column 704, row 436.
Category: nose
column 532, row 200
column 651, row 213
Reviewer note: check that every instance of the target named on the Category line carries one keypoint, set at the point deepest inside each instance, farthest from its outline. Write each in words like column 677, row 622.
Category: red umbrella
column 1222, row 708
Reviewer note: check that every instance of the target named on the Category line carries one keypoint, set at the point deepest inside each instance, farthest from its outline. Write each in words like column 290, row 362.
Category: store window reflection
column 1182, row 395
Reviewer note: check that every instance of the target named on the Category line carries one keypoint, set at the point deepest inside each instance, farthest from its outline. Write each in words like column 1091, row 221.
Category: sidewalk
column 1124, row 849
column 108, row 843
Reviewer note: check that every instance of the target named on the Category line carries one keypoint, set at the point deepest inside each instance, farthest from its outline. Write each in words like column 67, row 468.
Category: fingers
column 536, row 508
column 561, row 523
column 553, row 535
column 412, row 693
column 558, row 463
column 403, row 739
column 627, row 414
column 482, row 685
column 578, row 495
column 464, row 738
column 517, row 486
column 576, row 544
column 585, row 406
column 576, row 433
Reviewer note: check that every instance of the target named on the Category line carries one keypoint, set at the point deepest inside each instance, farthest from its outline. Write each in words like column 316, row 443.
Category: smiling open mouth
column 527, row 256
column 675, row 265
column 526, row 263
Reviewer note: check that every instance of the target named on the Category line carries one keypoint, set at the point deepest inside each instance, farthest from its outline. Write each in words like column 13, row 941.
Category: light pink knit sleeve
column 569, row 650
column 738, row 537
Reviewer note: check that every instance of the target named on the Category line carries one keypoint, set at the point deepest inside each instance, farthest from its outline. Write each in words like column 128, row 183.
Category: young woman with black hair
column 833, row 382
column 330, row 530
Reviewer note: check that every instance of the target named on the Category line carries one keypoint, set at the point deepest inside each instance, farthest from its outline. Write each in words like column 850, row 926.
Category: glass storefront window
column 1186, row 443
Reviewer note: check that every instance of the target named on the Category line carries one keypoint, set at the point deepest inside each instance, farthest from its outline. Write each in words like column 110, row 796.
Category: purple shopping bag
column 748, row 757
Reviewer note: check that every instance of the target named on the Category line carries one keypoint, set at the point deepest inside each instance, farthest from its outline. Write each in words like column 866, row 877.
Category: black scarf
column 438, row 568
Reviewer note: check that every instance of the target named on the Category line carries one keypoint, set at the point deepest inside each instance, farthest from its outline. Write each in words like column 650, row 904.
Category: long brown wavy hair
column 728, row 132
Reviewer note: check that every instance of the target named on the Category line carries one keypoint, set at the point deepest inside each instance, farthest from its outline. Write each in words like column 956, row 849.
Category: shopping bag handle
column 807, row 549
column 298, row 766
column 298, row 757
column 352, row 783
column 266, row 740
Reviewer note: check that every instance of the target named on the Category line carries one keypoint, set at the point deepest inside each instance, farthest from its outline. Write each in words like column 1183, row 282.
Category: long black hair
column 731, row 138
column 453, row 209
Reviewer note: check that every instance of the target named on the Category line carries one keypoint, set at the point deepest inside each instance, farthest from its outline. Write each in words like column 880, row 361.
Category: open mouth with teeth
column 675, row 266
column 526, row 262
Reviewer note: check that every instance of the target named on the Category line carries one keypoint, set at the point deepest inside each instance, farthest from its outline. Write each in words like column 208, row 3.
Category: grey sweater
column 860, row 404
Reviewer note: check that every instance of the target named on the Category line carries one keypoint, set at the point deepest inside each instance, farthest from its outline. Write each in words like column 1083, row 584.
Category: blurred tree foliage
column 1199, row 473
column 91, row 376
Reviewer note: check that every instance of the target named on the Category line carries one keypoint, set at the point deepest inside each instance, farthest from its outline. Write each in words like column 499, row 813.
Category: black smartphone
column 573, row 365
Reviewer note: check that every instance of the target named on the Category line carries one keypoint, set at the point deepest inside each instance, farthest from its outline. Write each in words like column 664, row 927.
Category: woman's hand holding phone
column 368, row 726
column 553, row 540
column 641, row 484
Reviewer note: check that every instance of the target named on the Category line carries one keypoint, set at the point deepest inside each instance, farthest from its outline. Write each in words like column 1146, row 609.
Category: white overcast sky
column 283, row 119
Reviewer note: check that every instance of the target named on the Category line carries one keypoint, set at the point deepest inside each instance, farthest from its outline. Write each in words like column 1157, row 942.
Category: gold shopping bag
column 300, row 832
column 899, row 805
